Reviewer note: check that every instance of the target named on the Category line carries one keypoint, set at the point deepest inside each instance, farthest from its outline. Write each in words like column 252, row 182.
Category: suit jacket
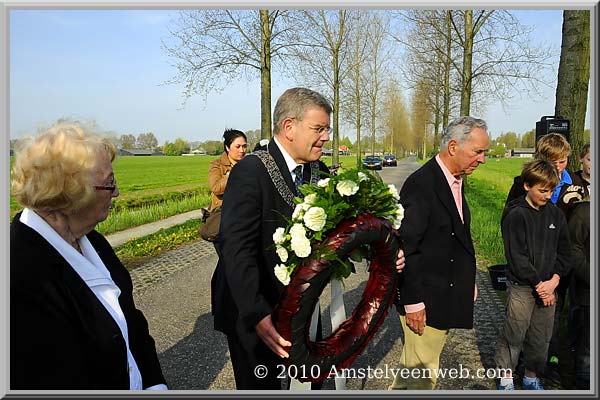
column 244, row 286
column 440, row 258
column 61, row 336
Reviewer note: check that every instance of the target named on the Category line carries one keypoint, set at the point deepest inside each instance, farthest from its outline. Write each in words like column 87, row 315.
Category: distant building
column 523, row 152
column 139, row 152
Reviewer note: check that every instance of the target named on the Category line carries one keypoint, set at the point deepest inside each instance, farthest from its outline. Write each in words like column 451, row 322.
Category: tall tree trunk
column 372, row 130
column 574, row 76
column 336, row 108
column 438, row 88
column 336, row 90
column 265, row 75
column 447, row 64
column 358, row 110
column 465, row 96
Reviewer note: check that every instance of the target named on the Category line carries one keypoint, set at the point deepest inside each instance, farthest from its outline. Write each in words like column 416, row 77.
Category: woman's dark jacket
column 61, row 336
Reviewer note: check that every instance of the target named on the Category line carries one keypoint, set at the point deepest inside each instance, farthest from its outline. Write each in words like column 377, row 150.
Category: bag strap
column 277, row 177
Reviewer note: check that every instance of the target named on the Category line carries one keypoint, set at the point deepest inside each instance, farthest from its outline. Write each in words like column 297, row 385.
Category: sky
column 108, row 67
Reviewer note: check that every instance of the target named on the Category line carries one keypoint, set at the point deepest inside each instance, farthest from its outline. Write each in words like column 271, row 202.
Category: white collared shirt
column 289, row 161
column 96, row 276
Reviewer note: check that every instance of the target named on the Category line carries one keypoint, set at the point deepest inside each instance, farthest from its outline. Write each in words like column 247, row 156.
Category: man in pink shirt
column 437, row 290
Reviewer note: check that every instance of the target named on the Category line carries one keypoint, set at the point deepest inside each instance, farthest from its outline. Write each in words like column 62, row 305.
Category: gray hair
column 294, row 102
column 460, row 130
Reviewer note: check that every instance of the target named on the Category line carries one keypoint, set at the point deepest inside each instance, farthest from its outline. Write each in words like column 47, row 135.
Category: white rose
column 315, row 218
column 297, row 231
column 394, row 191
column 282, row 253
column 310, row 199
column 362, row 177
column 323, row 182
column 279, row 236
column 400, row 212
column 347, row 187
column 297, row 212
column 282, row 274
column 301, row 246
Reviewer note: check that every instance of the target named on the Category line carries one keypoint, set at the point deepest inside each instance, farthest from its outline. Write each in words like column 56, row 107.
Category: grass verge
column 125, row 219
column 137, row 251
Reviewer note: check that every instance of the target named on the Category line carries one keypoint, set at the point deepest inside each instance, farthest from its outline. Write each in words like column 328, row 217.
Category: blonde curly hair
column 53, row 171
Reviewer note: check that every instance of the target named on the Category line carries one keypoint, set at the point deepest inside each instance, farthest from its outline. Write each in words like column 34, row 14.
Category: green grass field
column 486, row 190
column 147, row 176
column 152, row 188
column 139, row 177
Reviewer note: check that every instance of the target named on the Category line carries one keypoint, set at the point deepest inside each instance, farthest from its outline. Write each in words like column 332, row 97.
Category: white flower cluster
column 307, row 218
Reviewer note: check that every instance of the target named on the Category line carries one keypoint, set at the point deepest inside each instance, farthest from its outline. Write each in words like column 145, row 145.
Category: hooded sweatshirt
column 536, row 242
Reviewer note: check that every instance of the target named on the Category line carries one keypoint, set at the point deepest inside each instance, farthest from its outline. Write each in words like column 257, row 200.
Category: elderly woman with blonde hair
column 73, row 321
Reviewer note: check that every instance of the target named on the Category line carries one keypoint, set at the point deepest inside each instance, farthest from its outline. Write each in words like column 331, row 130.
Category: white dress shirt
column 291, row 164
column 92, row 270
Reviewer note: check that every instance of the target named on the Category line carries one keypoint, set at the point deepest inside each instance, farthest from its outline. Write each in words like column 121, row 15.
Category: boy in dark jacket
column 579, row 228
column 571, row 188
column 537, row 247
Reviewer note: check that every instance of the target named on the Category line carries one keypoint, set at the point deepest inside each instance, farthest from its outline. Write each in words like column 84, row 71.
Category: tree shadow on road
column 196, row 360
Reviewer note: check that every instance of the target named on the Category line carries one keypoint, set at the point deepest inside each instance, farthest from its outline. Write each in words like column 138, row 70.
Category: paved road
column 173, row 291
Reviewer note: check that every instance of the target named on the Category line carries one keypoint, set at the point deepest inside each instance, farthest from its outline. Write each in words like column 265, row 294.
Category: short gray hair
column 460, row 130
column 294, row 102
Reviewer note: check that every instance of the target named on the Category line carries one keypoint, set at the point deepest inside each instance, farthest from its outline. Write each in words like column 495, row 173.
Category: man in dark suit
column 258, row 196
column 437, row 290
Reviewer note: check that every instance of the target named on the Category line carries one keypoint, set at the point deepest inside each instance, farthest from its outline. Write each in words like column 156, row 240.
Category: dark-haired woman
column 235, row 146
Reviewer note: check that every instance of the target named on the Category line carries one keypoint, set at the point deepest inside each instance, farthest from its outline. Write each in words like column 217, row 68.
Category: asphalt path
column 195, row 357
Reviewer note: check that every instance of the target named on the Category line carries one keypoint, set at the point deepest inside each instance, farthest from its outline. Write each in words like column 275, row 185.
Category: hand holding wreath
column 347, row 216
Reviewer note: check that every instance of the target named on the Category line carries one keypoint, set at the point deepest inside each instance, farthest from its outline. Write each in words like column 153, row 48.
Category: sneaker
column 509, row 386
column 534, row 385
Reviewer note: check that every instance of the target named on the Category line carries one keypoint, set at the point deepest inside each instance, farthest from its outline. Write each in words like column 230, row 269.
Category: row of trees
column 143, row 141
column 450, row 62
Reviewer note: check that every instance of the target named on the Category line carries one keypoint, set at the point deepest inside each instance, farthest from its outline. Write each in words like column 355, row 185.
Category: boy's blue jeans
column 528, row 327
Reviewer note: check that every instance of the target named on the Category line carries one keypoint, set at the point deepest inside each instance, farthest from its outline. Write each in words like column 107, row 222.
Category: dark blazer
column 244, row 286
column 440, row 259
column 61, row 336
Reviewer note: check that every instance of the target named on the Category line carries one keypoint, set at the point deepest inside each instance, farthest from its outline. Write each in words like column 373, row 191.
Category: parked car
column 372, row 162
column 390, row 160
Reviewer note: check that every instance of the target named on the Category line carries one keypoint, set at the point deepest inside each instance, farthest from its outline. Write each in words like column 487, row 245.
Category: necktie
column 298, row 179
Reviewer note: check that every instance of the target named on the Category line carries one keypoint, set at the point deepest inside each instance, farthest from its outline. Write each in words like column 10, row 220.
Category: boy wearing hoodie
column 537, row 248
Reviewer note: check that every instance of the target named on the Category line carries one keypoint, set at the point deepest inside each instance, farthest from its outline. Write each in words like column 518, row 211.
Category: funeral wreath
column 343, row 218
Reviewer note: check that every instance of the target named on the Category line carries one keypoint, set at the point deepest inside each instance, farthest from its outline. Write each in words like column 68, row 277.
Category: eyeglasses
column 321, row 129
column 318, row 129
column 111, row 186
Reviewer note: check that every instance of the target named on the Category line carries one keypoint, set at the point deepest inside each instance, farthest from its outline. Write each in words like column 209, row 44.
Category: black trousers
column 260, row 369
column 257, row 370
